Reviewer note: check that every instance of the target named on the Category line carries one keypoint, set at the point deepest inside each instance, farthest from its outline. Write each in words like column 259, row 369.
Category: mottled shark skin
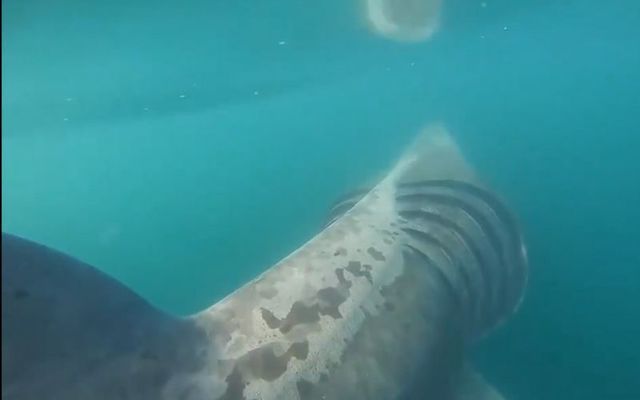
column 381, row 304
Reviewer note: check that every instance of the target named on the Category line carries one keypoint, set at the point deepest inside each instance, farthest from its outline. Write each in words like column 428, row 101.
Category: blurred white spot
column 412, row 64
column 146, row 108
column 282, row 43
column 182, row 96
column 482, row 36
column 404, row 20
column 65, row 119
column 68, row 99
column 255, row 93
column 506, row 28
column 483, row 4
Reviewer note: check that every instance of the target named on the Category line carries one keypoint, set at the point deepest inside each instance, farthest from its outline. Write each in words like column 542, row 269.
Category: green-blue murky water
column 184, row 147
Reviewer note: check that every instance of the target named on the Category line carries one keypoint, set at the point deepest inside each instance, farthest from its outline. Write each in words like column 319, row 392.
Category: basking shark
column 382, row 303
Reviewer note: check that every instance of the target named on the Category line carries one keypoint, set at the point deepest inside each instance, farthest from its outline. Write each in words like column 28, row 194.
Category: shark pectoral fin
column 471, row 385
column 68, row 329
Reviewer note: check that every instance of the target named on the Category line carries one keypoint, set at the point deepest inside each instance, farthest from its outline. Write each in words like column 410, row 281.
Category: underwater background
column 184, row 147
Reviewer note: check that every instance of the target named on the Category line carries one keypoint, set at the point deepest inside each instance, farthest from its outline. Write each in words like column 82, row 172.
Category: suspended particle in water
column 404, row 20
column 282, row 43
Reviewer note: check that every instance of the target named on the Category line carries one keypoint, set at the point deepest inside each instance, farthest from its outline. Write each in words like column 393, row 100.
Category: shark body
column 381, row 304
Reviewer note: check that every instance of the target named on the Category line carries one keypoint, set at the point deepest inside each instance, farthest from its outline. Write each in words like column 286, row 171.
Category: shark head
column 381, row 304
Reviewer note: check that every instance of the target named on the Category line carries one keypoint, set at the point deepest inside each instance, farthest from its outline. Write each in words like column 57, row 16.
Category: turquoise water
column 185, row 147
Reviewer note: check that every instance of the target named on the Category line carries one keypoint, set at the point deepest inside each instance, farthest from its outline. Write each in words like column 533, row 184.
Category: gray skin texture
column 381, row 304
column 71, row 332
